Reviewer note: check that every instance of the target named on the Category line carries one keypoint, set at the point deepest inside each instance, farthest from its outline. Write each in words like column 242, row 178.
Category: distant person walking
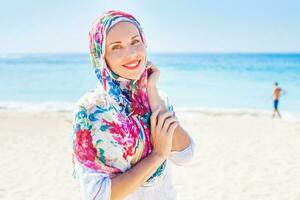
column 277, row 92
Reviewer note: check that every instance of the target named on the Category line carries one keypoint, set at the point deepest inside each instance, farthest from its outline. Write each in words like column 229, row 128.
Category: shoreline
column 67, row 107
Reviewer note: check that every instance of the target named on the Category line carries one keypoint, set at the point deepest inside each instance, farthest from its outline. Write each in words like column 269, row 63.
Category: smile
column 133, row 66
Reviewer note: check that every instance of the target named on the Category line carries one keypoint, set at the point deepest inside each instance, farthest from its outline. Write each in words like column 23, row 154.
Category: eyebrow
column 118, row 42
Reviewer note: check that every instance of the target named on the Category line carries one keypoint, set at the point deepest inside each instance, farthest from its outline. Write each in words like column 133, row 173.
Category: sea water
column 230, row 81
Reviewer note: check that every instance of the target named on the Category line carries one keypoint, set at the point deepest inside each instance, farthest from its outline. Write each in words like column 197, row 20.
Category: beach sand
column 238, row 156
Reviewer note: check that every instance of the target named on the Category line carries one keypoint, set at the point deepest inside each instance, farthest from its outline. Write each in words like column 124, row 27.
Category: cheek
column 115, row 58
column 141, row 49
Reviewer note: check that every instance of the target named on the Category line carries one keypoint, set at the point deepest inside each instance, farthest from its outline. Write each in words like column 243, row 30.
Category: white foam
column 69, row 107
column 286, row 116
column 37, row 107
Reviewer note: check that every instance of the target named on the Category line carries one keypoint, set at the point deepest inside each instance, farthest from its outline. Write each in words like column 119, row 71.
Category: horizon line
column 163, row 52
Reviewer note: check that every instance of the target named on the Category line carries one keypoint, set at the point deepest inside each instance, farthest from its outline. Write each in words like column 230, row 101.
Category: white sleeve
column 93, row 185
column 185, row 156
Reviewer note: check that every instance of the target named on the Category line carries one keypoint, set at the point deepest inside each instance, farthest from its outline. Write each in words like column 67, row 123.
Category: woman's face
column 125, row 51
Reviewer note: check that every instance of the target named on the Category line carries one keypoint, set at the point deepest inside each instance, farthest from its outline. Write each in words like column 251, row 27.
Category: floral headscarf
column 112, row 123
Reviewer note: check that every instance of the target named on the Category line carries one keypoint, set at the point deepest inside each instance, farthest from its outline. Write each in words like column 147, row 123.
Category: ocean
column 239, row 81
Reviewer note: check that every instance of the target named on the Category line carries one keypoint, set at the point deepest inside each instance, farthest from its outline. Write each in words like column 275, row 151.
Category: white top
column 97, row 186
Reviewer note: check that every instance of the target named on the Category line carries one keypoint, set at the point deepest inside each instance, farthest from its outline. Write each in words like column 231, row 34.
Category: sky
column 34, row 26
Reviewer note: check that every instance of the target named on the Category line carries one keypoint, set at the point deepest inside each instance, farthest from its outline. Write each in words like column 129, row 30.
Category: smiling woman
column 125, row 51
column 126, row 131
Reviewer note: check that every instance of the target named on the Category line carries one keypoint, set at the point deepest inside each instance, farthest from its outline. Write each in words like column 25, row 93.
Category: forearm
column 129, row 181
column 155, row 100
column 180, row 138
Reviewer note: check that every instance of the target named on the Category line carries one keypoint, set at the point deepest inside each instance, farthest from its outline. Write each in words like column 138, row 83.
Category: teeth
column 132, row 65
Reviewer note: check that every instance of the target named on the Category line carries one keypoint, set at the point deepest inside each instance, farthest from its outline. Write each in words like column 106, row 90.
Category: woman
column 125, row 131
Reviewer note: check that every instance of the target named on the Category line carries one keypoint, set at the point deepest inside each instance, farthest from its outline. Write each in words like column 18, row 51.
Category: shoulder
column 91, row 102
column 92, row 99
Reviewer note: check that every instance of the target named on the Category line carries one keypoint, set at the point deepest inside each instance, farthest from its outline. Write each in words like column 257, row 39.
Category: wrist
column 158, row 157
column 151, row 87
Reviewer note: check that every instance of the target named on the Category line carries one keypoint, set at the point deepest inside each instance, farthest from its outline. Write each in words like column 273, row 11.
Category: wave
column 217, row 112
column 37, row 106
column 261, row 113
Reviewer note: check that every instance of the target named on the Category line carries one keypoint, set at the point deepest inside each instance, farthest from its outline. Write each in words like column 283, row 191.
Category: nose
column 132, row 53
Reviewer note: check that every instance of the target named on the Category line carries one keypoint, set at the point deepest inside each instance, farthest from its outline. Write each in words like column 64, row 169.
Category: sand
column 239, row 156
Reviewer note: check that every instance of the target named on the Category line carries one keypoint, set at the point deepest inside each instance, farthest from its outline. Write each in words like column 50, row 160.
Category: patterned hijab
column 111, row 125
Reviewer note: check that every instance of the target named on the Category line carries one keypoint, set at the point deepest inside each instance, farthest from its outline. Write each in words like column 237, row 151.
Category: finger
column 161, row 120
column 172, row 128
column 153, row 118
column 153, row 121
column 156, row 111
column 167, row 124
column 154, row 68
column 151, row 66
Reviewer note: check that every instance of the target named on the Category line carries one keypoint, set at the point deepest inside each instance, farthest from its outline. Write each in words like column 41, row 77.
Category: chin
column 134, row 77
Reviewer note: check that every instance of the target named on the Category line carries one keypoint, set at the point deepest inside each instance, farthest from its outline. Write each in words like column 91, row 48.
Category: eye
column 135, row 41
column 116, row 47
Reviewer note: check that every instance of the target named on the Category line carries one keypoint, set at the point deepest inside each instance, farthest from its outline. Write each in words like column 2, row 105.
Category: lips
column 132, row 65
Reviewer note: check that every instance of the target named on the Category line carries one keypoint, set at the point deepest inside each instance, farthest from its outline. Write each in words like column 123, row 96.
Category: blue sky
column 170, row 26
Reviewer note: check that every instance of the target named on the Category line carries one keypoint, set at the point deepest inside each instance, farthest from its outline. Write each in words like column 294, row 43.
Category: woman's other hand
column 162, row 129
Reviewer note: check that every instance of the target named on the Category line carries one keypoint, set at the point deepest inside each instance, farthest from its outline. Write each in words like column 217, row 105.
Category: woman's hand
column 153, row 75
column 162, row 130
column 154, row 98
